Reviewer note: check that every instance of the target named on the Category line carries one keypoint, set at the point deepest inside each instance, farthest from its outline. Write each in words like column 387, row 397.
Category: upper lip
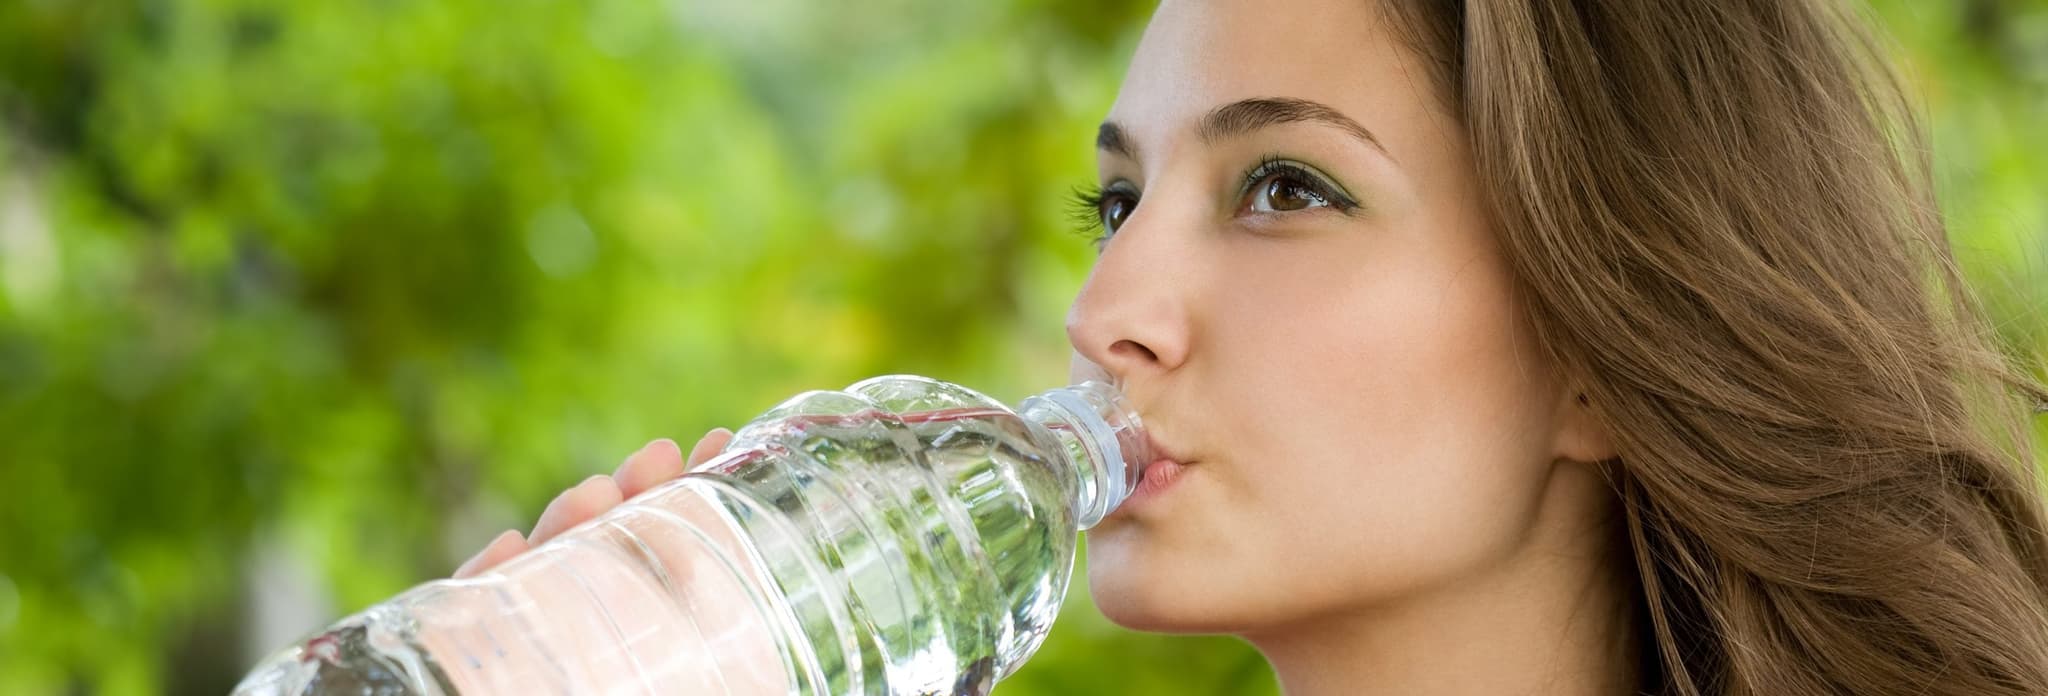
column 1159, row 449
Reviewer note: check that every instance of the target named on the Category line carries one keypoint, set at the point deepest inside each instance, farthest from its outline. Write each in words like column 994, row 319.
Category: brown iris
column 1283, row 192
column 1115, row 210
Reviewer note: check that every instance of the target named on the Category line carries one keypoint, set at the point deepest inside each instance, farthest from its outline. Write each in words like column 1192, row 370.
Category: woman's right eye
column 1100, row 211
column 1114, row 209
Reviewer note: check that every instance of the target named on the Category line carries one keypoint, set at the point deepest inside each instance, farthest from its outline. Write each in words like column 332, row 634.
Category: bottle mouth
column 1111, row 438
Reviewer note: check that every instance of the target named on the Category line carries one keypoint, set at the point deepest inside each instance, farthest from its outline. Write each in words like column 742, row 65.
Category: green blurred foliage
column 354, row 285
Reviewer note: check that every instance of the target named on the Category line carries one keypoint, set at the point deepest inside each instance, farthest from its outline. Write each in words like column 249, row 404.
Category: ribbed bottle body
column 901, row 536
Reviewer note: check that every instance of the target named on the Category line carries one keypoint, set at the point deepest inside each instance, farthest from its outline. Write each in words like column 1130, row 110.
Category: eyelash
column 1085, row 202
column 1084, row 209
column 1270, row 165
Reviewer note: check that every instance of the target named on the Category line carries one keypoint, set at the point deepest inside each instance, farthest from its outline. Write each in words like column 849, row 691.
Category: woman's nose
column 1131, row 316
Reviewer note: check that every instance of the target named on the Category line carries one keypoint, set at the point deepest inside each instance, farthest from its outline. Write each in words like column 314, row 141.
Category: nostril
column 1130, row 345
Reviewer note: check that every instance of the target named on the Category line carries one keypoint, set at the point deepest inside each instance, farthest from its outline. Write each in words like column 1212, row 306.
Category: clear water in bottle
column 902, row 536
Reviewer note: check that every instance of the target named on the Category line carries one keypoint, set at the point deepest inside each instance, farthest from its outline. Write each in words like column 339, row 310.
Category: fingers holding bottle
column 653, row 464
column 662, row 460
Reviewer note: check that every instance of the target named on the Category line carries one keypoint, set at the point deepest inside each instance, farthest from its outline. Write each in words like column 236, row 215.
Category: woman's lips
column 1157, row 478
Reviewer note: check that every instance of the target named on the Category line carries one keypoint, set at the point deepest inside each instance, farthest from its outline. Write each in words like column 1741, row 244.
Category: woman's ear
column 1581, row 434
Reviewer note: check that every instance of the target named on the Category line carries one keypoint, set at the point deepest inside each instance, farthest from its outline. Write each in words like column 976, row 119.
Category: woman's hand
column 656, row 462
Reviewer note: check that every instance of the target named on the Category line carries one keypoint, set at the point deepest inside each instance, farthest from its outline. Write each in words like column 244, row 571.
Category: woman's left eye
column 1281, row 192
column 1281, row 187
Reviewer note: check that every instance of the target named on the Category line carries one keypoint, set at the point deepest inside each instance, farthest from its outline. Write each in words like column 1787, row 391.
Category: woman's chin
column 1140, row 602
column 1142, row 615
column 1150, row 615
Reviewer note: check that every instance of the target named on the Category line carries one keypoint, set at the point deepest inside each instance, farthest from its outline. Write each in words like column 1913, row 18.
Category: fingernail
column 496, row 541
column 554, row 508
column 637, row 452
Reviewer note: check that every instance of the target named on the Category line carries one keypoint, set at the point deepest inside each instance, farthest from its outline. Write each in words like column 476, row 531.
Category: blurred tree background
column 301, row 302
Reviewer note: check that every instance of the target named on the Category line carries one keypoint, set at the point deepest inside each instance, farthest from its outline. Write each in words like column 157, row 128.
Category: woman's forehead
column 1200, row 56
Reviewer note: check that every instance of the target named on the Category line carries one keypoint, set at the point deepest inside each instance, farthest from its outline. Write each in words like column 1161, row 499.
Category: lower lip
column 1159, row 477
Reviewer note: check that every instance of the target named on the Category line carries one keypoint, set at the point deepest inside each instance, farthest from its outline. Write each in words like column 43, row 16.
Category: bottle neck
column 1102, row 439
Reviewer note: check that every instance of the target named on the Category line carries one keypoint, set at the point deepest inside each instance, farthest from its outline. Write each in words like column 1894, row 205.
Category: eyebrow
column 1110, row 138
column 1244, row 116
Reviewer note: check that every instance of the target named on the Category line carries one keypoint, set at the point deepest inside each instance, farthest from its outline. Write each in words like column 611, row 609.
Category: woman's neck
column 1556, row 619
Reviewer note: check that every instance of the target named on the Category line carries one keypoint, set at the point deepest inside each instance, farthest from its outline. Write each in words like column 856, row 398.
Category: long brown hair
column 1722, row 222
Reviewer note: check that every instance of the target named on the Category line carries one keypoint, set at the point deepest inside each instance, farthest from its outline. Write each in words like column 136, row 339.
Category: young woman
column 1543, row 347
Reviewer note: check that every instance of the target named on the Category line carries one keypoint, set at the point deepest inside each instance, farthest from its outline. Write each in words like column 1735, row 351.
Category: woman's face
column 1302, row 295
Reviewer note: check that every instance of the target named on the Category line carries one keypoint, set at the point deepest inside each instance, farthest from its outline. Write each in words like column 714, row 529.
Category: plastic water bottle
column 903, row 536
